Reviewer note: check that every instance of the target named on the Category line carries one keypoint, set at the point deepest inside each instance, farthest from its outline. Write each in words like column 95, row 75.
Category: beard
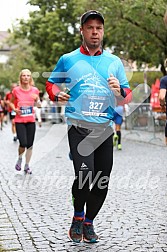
column 94, row 45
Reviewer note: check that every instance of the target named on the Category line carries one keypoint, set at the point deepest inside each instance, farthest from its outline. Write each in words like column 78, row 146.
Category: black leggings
column 26, row 134
column 95, row 167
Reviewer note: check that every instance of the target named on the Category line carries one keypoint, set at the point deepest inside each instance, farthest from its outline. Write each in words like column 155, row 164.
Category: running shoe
column 89, row 234
column 27, row 169
column 115, row 139
column 76, row 230
column 18, row 165
column 119, row 147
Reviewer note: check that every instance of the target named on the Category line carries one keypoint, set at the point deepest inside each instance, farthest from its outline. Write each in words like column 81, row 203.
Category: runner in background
column 1, row 112
column 12, row 114
column 5, row 118
column 24, row 98
column 118, row 120
column 163, row 100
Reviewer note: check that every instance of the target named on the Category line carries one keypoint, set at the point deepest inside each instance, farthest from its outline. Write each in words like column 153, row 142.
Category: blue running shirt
column 86, row 76
column 163, row 85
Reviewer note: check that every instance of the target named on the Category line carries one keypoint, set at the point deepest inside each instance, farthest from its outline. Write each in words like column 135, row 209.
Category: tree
column 51, row 30
column 133, row 29
column 137, row 29
column 20, row 57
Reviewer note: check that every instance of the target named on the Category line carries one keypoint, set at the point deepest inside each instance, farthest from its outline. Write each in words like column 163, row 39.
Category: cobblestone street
column 36, row 210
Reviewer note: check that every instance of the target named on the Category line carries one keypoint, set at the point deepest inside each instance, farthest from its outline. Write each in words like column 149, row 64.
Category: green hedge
column 138, row 78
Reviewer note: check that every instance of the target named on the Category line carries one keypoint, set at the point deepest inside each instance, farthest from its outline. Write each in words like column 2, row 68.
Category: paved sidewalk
column 36, row 210
column 156, row 138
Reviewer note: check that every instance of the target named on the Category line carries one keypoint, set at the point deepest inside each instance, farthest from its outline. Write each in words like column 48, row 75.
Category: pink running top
column 25, row 103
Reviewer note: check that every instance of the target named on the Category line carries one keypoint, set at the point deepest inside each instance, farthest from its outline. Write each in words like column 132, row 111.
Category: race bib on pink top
column 25, row 104
column 26, row 110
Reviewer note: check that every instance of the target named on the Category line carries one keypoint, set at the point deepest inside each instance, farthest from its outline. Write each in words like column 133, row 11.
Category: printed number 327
column 95, row 105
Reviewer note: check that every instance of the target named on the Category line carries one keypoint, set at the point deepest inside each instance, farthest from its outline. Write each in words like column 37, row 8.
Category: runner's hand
column 114, row 85
column 18, row 111
column 63, row 97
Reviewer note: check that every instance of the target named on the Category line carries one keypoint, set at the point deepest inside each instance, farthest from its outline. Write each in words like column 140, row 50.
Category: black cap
column 92, row 13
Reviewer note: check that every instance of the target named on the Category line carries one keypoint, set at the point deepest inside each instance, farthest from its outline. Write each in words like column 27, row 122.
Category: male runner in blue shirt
column 96, row 80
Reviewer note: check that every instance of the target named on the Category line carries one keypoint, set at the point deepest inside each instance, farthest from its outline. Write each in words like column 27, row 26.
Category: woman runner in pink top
column 25, row 96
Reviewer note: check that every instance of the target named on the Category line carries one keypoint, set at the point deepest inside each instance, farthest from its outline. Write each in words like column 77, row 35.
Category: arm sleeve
column 126, row 96
column 52, row 89
column 56, row 78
